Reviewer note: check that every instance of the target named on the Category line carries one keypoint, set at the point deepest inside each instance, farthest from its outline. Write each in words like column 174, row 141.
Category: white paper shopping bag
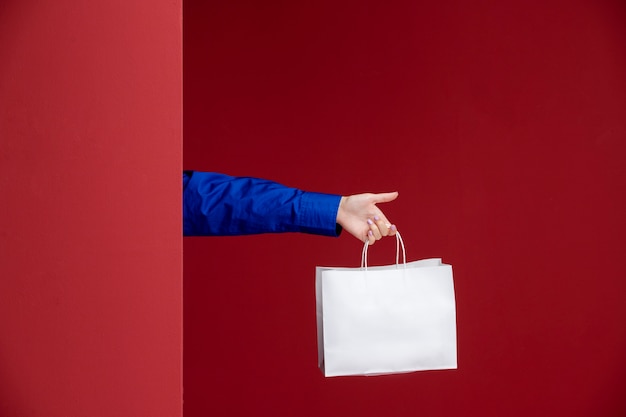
column 386, row 319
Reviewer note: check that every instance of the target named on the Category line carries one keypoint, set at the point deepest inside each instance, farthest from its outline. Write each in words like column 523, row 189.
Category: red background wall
column 90, row 235
column 503, row 127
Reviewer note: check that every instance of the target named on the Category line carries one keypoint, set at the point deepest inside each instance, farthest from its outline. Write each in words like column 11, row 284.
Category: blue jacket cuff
column 320, row 214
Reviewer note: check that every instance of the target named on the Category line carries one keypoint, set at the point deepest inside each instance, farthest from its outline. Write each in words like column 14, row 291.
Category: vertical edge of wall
column 90, row 230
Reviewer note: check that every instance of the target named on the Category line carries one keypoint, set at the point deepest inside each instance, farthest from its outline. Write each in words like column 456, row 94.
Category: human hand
column 359, row 216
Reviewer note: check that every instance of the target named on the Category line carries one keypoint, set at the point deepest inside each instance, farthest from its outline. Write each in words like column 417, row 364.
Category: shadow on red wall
column 503, row 128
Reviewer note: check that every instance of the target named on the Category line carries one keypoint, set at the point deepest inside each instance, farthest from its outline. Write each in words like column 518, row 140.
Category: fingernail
column 393, row 227
column 370, row 223
column 370, row 233
column 376, row 218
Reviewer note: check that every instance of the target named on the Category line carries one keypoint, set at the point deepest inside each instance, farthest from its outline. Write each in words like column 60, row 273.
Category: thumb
column 384, row 197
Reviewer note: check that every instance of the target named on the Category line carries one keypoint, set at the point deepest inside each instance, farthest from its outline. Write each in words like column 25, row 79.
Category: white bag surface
column 386, row 319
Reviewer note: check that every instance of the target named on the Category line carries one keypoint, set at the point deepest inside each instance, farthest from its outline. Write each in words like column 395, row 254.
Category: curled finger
column 383, row 225
column 370, row 237
column 375, row 231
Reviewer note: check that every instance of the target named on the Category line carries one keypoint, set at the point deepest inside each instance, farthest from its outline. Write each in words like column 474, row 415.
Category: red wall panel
column 90, row 246
column 503, row 127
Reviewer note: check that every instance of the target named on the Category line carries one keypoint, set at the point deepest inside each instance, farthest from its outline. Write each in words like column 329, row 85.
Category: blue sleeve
column 218, row 204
